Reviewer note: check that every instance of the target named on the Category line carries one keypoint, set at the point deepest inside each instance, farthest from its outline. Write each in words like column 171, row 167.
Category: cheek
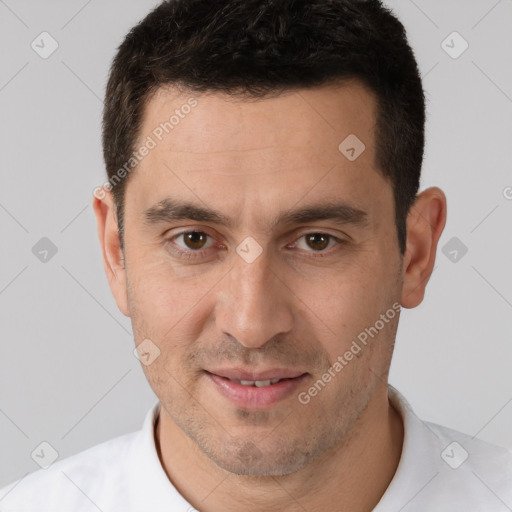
column 350, row 301
column 158, row 301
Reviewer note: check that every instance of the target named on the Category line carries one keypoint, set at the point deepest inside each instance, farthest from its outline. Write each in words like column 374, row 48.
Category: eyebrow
column 171, row 210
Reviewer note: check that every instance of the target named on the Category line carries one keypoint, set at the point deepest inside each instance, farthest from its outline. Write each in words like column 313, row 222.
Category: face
column 255, row 250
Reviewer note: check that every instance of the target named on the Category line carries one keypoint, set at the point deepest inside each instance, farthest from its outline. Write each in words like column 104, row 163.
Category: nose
column 253, row 303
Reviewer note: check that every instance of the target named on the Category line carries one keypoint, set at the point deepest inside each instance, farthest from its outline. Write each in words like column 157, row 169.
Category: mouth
column 255, row 390
column 258, row 383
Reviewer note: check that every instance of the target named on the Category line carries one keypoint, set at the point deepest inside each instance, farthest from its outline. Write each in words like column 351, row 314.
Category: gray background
column 68, row 375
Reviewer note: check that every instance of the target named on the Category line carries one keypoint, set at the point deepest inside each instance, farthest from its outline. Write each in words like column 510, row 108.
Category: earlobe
column 113, row 258
column 425, row 224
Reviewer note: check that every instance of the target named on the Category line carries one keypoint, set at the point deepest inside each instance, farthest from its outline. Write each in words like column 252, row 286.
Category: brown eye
column 317, row 241
column 195, row 239
column 191, row 246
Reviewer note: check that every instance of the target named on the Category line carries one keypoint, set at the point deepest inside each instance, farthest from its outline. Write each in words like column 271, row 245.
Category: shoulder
column 123, row 473
column 475, row 460
column 471, row 474
column 99, row 467
column 444, row 469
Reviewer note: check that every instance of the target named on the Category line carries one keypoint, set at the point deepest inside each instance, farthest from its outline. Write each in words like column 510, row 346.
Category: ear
column 113, row 257
column 425, row 223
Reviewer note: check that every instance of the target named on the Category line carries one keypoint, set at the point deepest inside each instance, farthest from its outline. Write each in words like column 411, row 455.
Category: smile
column 256, row 394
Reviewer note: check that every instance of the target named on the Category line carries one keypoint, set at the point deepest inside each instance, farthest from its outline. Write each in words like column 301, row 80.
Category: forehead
column 322, row 116
column 267, row 152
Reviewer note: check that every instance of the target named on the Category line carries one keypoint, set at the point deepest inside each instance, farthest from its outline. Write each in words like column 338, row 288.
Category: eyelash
column 192, row 254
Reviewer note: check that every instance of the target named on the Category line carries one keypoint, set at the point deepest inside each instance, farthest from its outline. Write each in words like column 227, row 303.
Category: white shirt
column 125, row 475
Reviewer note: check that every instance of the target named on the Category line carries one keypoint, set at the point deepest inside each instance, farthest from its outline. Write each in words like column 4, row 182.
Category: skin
column 251, row 161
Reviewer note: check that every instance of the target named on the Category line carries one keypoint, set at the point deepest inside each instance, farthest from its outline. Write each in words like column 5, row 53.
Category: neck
column 352, row 476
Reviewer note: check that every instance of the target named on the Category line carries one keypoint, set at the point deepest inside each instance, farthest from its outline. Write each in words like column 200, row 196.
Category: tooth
column 259, row 383
column 262, row 383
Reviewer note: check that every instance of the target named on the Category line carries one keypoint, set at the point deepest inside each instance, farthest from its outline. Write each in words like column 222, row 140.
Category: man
column 262, row 228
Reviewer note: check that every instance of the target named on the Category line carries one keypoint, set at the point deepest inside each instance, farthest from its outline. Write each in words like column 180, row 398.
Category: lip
column 270, row 374
column 251, row 397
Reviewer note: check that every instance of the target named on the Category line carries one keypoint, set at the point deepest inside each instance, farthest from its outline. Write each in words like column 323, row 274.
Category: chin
column 245, row 458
